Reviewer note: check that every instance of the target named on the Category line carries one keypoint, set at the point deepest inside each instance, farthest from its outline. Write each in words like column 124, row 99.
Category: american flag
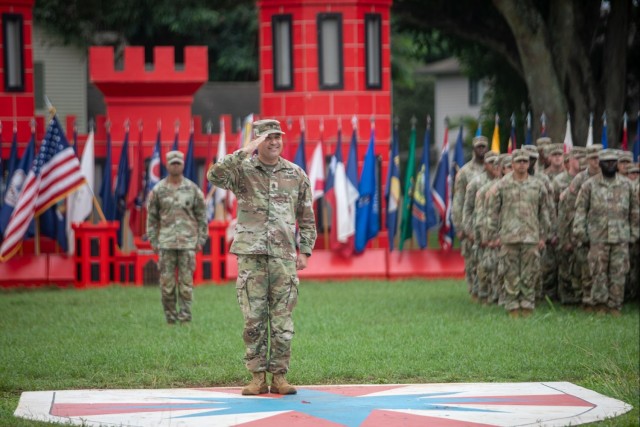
column 54, row 174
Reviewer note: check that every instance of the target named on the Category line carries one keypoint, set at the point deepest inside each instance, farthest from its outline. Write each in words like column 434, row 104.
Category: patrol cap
column 490, row 157
column 520, row 154
column 542, row 141
column 593, row 150
column 175, row 157
column 266, row 127
column 634, row 168
column 506, row 160
column 577, row 152
column 607, row 154
column 480, row 140
column 531, row 150
column 555, row 149
column 625, row 156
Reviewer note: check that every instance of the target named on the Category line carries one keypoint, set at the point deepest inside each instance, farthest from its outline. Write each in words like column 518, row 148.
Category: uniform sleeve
column 545, row 215
column 580, row 217
column 226, row 172
column 153, row 219
column 493, row 207
column 200, row 213
column 634, row 215
column 459, row 190
column 468, row 207
column 305, row 217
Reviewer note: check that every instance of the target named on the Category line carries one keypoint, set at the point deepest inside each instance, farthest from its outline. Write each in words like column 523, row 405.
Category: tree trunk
column 614, row 68
column 544, row 86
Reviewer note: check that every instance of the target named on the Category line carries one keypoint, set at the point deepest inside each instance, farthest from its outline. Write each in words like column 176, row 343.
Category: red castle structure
column 320, row 62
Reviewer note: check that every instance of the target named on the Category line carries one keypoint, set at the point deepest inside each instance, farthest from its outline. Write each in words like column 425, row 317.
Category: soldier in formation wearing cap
column 463, row 177
column 555, row 155
column 273, row 196
column 633, row 290
column 177, row 228
column 547, row 278
column 564, row 250
column 496, row 294
column 485, row 254
column 607, row 220
column 471, row 223
column 518, row 224
column 581, row 280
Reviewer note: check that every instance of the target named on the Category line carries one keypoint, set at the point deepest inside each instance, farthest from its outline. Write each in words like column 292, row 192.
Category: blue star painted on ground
column 337, row 408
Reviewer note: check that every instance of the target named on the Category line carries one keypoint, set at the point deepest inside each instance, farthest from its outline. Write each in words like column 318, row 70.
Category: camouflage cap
column 520, row 154
column 625, row 156
column 175, row 157
column 577, row 152
column 480, row 140
column 531, row 150
column 542, row 141
column 593, row 150
column 607, row 154
column 506, row 160
column 266, row 127
column 490, row 156
column 634, row 168
column 555, row 149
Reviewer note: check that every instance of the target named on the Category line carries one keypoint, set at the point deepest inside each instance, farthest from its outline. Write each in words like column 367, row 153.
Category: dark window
column 38, row 85
column 474, row 92
column 330, row 50
column 373, row 49
column 282, row 52
column 13, row 52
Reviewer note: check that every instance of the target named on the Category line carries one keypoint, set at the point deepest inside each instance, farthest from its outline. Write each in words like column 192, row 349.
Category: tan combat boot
column 258, row 385
column 279, row 385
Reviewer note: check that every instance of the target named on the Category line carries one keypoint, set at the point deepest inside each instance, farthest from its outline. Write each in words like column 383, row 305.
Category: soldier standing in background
column 625, row 160
column 177, row 228
column 273, row 196
column 565, row 251
column 607, row 220
column 632, row 291
column 566, row 211
column 496, row 294
column 463, row 177
column 472, row 224
column 518, row 224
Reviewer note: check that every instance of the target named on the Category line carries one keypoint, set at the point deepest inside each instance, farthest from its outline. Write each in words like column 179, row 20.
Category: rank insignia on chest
column 274, row 185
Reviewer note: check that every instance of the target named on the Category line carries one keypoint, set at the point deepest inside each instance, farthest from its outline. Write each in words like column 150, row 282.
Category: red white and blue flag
column 442, row 194
column 54, row 174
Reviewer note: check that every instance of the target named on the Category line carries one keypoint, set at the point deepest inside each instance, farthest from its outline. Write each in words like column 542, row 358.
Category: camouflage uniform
column 581, row 277
column 463, row 178
column 518, row 216
column 176, row 226
column 270, row 202
column 632, row 291
column 471, row 224
column 607, row 219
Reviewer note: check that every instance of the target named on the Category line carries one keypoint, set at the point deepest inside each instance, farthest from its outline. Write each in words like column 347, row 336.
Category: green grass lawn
column 406, row 331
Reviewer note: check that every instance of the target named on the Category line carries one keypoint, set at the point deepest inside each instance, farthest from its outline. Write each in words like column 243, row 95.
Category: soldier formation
column 540, row 224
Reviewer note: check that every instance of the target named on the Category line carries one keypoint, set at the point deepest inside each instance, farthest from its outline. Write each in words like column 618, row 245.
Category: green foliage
column 228, row 28
column 405, row 331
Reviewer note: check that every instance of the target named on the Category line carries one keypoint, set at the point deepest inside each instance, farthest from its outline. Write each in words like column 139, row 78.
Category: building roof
column 446, row 66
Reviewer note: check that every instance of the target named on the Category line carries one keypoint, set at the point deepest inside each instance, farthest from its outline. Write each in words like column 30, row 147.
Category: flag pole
column 325, row 226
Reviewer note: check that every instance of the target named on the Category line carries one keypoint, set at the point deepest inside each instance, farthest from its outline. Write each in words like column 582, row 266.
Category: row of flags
column 351, row 202
column 568, row 138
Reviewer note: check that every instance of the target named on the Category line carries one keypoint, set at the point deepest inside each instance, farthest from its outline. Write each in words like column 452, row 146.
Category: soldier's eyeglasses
column 522, row 161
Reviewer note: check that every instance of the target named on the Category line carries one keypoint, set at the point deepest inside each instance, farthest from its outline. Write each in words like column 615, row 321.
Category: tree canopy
column 573, row 56
column 227, row 27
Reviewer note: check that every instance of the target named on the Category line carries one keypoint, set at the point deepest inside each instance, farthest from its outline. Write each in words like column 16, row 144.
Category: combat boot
column 258, row 385
column 279, row 385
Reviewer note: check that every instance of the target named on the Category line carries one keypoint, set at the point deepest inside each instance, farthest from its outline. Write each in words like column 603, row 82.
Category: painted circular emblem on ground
column 408, row 405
